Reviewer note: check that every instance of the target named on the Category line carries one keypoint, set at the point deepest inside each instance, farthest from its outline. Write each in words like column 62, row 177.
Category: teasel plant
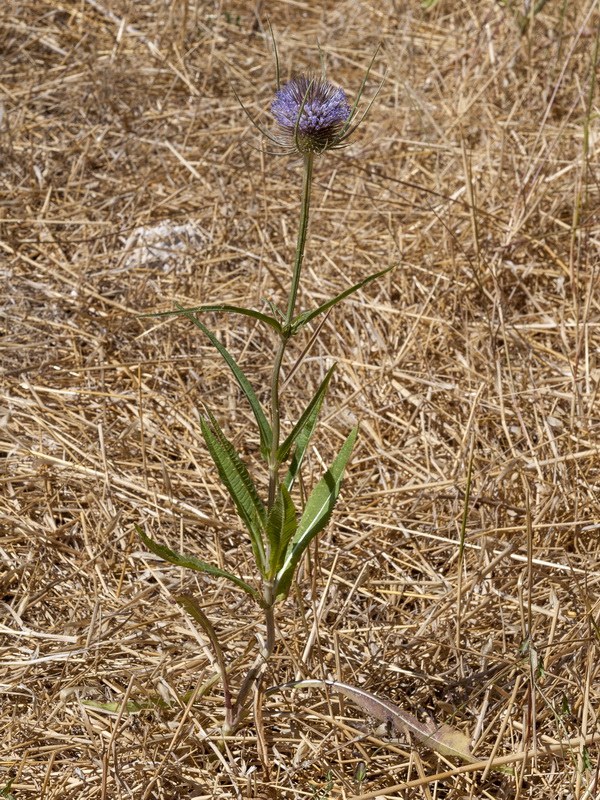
column 312, row 117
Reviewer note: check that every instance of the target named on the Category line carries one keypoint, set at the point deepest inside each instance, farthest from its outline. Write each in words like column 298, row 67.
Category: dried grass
column 477, row 170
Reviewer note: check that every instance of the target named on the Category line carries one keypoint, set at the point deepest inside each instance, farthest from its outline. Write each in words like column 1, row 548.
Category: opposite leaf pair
column 278, row 540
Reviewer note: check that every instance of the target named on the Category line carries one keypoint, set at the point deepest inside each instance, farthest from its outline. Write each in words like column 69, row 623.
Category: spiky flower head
column 312, row 114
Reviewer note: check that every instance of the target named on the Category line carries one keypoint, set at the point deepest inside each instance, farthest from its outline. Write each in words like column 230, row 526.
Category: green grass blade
column 319, row 508
column 281, row 527
column 247, row 312
column 266, row 435
column 173, row 557
column 306, row 417
column 307, row 316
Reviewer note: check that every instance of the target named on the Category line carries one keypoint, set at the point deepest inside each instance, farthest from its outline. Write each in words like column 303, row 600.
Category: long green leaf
column 306, row 316
column 317, row 512
column 173, row 557
column 240, row 486
column 266, row 435
column 302, row 443
column 193, row 608
column 281, row 527
column 316, row 401
column 247, row 312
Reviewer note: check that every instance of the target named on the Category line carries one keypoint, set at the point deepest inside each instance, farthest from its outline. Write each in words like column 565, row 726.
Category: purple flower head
column 311, row 113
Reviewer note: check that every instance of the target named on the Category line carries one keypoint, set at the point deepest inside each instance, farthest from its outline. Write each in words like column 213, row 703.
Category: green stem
column 303, row 230
column 275, row 408
column 254, row 675
column 275, row 422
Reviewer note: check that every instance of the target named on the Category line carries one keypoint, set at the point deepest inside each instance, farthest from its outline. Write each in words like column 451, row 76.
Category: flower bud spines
column 312, row 114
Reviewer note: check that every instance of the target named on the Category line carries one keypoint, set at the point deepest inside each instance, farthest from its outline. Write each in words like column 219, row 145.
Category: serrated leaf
column 316, row 402
column 317, row 512
column 302, row 443
column 247, row 312
column 239, row 484
column 266, row 435
column 304, row 318
column 281, row 527
column 173, row 557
